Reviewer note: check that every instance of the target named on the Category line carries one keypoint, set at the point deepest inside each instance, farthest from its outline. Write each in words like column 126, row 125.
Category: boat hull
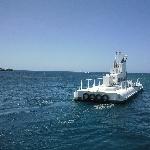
column 118, row 96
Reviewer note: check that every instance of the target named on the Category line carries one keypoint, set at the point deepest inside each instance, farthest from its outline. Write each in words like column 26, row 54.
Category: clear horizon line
column 72, row 71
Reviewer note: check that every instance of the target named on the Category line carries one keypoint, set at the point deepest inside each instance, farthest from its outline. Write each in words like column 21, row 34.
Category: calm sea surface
column 37, row 111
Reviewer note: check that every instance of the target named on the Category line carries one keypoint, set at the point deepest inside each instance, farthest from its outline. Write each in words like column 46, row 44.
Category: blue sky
column 74, row 35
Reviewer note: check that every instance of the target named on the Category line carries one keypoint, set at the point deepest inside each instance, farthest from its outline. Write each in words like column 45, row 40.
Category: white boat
column 115, row 86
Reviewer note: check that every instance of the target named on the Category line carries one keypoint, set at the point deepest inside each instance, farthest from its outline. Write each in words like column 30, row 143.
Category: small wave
column 15, row 111
column 103, row 106
column 66, row 122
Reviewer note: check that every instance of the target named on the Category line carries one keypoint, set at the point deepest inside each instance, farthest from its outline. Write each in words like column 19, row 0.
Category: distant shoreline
column 9, row 69
column 2, row 69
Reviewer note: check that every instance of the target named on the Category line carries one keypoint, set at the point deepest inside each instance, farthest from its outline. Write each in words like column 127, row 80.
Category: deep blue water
column 37, row 112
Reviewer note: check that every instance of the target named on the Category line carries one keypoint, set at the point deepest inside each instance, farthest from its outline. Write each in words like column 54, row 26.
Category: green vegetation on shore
column 2, row 69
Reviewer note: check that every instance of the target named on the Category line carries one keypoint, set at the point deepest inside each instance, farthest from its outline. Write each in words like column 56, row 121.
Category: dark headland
column 2, row 69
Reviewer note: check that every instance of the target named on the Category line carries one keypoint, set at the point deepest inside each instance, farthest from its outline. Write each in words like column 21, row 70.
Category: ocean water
column 37, row 111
